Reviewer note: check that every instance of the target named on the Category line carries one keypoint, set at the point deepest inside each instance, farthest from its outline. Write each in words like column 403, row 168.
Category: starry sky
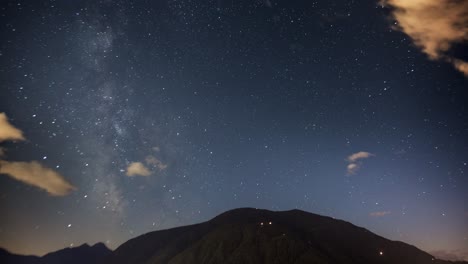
column 124, row 117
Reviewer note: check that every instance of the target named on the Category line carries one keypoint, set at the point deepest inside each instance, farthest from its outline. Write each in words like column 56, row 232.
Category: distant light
column 261, row 223
column 69, row 225
column 270, row 223
column 381, row 253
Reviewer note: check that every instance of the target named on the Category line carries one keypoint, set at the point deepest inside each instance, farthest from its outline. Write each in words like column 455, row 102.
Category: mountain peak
column 100, row 245
column 249, row 235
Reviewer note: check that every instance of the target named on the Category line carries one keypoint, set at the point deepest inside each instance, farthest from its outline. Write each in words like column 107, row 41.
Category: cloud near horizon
column 451, row 255
column 8, row 131
column 380, row 214
column 435, row 26
column 137, row 169
column 35, row 174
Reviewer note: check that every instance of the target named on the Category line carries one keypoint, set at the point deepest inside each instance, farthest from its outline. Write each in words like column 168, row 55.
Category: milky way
column 155, row 114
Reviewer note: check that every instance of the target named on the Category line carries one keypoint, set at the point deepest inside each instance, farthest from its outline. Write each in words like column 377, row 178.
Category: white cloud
column 354, row 161
column 8, row 131
column 35, row 174
column 433, row 25
column 352, row 168
column 359, row 155
column 137, row 169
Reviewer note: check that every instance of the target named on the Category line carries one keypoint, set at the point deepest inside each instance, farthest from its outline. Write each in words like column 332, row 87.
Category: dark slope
column 7, row 258
column 83, row 254
column 78, row 255
column 238, row 236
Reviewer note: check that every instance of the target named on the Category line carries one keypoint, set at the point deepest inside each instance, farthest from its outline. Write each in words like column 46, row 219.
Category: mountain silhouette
column 244, row 236
column 260, row 236
column 83, row 254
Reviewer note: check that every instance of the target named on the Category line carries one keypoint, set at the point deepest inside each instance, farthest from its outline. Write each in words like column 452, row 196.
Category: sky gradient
column 144, row 115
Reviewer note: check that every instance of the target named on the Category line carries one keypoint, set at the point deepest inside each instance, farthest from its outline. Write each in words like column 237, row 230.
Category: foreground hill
column 83, row 254
column 262, row 236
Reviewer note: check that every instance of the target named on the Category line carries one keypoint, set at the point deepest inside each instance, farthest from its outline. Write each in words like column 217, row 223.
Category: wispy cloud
column 433, row 25
column 380, row 213
column 153, row 161
column 140, row 169
column 354, row 161
column 8, row 131
column 359, row 155
column 137, row 169
column 352, row 168
column 35, row 174
column 32, row 173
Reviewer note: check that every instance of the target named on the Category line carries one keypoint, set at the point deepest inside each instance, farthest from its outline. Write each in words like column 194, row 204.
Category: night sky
column 124, row 117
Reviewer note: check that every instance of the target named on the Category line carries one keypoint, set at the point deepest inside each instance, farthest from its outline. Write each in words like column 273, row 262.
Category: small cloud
column 35, row 174
column 354, row 161
column 380, row 214
column 352, row 168
column 8, row 131
column 157, row 149
column 137, row 169
column 435, row 26
column 151, row 160
column 359, row 155
column 461, row 66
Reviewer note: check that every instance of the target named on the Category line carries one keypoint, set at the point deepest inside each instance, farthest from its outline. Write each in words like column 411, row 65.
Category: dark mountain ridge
column 260, row 236
column 247, row 235
column 76, row 255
